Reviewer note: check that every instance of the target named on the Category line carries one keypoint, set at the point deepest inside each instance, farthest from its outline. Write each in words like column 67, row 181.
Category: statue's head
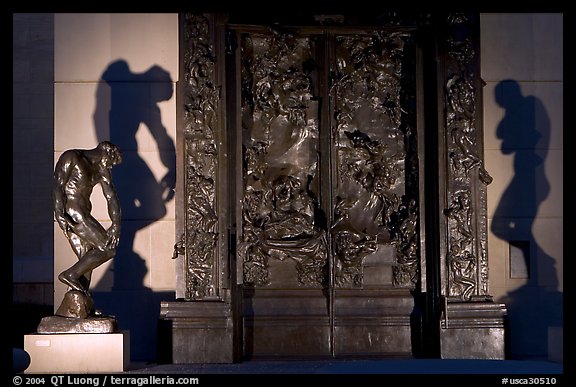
column 112, row 153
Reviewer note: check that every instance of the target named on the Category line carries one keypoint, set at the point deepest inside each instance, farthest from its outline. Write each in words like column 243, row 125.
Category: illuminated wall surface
column 523, row 140
column 82, row 78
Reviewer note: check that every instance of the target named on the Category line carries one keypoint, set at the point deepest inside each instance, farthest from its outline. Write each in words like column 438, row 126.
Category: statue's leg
column 71, row 281
column 89, row 239
column 80, row 248
column 76, row 274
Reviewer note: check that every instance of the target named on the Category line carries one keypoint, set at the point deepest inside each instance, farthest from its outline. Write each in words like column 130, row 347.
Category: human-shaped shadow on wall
column 124, row 101
column 537, row 305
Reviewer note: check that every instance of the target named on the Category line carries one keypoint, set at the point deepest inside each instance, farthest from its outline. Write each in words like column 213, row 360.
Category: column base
column 473, row 330
column 196, row 332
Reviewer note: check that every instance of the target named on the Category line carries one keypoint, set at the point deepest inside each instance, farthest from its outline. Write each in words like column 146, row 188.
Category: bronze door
column 329, row 192
column 332, row 195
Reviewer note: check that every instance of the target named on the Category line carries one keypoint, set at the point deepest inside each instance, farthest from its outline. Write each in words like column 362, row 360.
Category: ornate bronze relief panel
column 466, row 260
column 375, row 145
column 201, row 100
column 372, row 154
column 373, row 158
column 280, row 152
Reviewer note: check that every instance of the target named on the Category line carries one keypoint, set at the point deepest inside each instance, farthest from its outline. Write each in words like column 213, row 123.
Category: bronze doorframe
column 452, row 180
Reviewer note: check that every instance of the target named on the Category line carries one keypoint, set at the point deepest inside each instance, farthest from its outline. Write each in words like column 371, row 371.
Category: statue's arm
column 61, row 175
column 114, row 212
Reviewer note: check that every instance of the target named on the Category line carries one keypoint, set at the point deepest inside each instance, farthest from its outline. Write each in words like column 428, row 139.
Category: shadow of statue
column 524, row 132
column 126, row 102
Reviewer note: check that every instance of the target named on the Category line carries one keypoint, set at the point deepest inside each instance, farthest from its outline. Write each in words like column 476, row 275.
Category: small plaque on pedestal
column 81, row 353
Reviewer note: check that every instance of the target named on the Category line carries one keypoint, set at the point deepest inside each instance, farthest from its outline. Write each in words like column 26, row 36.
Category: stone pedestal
column 78, row 352
column 473, row 330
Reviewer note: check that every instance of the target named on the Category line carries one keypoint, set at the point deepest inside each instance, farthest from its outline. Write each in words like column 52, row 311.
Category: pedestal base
column 197, row 332
column 78, row 352
column 58, row 324
column 473, row 330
